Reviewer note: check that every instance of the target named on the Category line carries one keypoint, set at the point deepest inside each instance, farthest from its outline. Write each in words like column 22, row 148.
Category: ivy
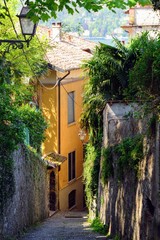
column 125, row 156
column 130, row 153
column 15, row 115
column 91, row 172
column 127, row 73
column 34, row 121
column 107, row 164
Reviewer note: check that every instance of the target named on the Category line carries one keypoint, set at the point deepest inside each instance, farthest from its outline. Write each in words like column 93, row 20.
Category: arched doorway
column 52, row 193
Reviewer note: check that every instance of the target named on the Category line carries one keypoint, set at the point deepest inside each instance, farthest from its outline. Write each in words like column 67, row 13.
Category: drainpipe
column 59, row 122
column 59, row 111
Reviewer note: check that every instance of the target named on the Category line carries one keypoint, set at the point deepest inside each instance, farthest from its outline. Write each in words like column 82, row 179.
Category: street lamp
column 82, row 135
column 28, row 28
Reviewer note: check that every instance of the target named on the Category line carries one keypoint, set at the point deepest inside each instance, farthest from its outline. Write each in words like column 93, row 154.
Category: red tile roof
column 69, row 53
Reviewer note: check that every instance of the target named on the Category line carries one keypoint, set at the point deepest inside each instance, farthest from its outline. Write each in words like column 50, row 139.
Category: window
column 71, row 166
column 72, row 199
column 71, row 106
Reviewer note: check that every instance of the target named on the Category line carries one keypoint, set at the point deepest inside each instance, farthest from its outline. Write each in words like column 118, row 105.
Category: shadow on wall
column 49, row 110
column 129, row 206
column 29, row 203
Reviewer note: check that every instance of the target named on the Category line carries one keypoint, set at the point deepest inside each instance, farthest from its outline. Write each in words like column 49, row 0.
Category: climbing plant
column 108, row 74
column 129, row 154
column 15, row 115
column 129, row 73
column 126, row 156
column 107, row 170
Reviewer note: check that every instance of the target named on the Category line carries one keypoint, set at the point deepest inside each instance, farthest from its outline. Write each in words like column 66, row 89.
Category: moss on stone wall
column 29, row 200
column 125, row 156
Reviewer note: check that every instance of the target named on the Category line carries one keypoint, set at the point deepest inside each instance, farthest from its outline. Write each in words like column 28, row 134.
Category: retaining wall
column 29, row 202
column 131, row 208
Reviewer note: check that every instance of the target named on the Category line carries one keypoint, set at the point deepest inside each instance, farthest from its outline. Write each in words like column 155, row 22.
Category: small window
column 71, row 166
column 72, row 199
column 71, row 107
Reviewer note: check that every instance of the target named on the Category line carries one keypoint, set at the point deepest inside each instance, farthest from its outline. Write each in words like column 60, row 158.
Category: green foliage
column 116, row 237
column 97, row 24
column 29, row 61
column 11, row 133
column 130, row 153
column 98, row 226
column 107, row 77
column 15, row 112
column 103, row 84
column 107, row 164
column 91, row 172
column 109, row 70
column 144, row 76
column 46, row 9
column 15, row 115
column 126, row 72
column 119, row 73
column 92, row 120
column 151, row 131
column 125, row 156
column 33, row 119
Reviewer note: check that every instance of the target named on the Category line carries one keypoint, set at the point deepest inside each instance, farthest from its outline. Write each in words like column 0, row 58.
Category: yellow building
column 60, row 98
column 141, row 19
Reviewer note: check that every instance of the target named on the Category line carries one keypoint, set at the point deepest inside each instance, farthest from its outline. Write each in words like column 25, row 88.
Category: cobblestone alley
column 63, row 226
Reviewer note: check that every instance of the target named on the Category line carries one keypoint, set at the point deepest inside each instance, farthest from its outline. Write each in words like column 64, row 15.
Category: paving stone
column 64, row 226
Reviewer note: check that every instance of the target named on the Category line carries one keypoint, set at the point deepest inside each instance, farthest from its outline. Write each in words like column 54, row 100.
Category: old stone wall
column 29, row 203
column 131, row 207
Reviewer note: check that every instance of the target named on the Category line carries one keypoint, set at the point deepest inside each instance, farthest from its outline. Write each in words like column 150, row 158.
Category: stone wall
column 29, row 203
column 130, row 208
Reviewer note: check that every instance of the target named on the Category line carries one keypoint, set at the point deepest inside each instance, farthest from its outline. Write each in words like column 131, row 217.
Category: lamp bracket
column 15, row 44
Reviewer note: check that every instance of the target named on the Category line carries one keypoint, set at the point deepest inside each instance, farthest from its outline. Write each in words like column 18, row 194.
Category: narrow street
column 63, row 226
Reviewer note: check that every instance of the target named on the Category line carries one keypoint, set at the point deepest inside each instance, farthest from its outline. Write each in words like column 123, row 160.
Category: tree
column 144, row 84
column 17, row 115
column 49, row 8
column 117, row 73
column 16, row 66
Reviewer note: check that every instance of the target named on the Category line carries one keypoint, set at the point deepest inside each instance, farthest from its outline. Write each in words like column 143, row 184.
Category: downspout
column 59, row 122
column 59, row 111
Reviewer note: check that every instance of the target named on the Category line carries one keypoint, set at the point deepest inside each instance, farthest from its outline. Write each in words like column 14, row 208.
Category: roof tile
column 70, row 52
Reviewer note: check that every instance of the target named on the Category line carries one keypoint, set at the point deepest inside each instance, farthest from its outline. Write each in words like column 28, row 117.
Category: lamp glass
column 28, row 27
column 82, row 135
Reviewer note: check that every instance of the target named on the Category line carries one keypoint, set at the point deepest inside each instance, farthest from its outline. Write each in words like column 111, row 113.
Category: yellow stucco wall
column 69, row 140
column 49, row 108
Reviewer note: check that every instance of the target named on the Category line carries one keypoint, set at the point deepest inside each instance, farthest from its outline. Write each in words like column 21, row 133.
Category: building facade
column 142, row 19
column 60, row 98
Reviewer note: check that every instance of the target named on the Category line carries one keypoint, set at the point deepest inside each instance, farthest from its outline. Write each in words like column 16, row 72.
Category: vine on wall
column 15, row 115
column 114, row 74
column 126, row 156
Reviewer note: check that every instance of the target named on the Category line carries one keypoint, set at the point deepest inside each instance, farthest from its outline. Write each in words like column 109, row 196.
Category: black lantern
column 28, row 28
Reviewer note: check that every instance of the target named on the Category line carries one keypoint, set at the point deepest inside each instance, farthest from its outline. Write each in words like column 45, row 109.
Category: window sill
column 72, row 181
column 71, row 124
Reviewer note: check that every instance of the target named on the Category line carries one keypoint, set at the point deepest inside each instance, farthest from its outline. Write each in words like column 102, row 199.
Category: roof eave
column 53, row 67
